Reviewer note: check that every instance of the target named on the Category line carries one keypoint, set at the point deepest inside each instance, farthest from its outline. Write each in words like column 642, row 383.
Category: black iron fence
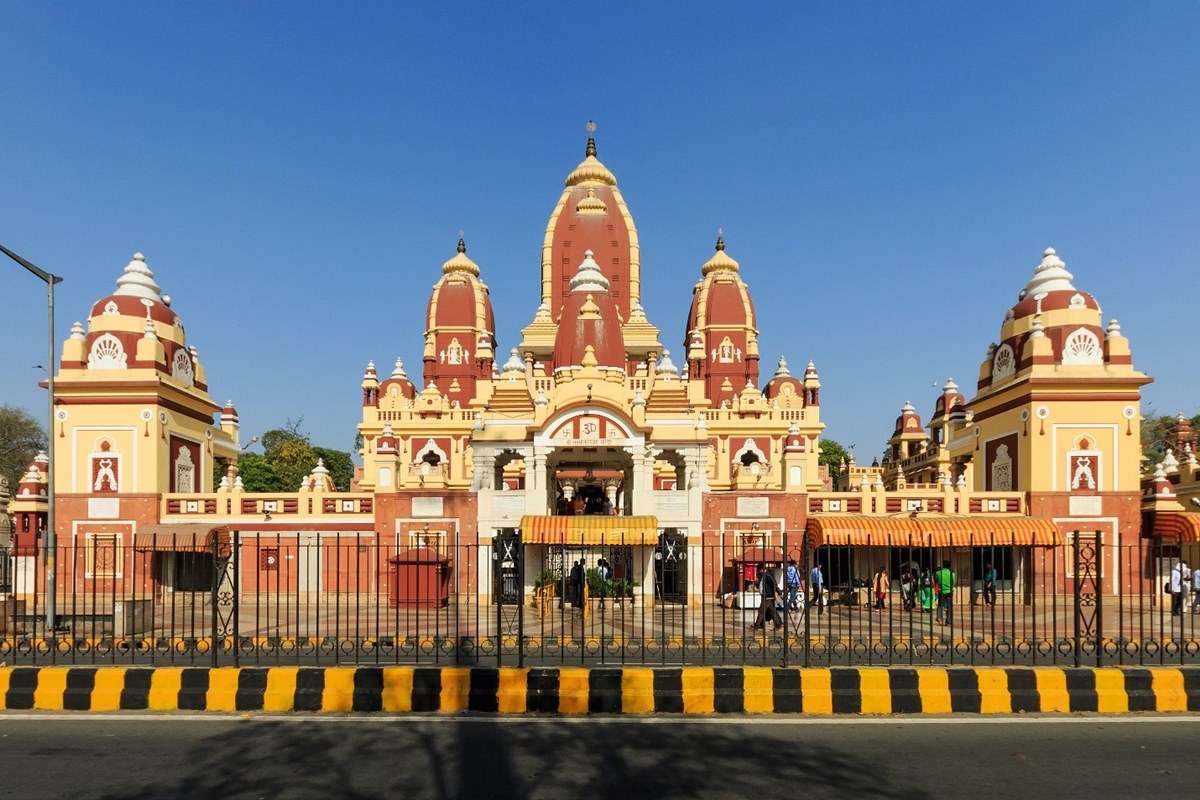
column 258, row 599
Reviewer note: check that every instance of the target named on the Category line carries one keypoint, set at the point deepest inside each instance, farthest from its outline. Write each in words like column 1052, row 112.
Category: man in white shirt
column 1181, row 578
column 1196, row 591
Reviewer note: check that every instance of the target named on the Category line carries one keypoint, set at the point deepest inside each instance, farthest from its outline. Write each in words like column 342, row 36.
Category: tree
column 833, row 456
column 21, row 437
column 288, row 457
column 1158, row 434
column 258, row 475
column 340, row 466
column 293, row 460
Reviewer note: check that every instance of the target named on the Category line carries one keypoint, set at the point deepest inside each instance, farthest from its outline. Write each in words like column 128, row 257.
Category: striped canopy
column 1180, row 526
column 589, row 530
column 930, row 530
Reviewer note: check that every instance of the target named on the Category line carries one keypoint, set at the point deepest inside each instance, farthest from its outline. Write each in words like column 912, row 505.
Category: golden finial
column 720, row 238
column 462, row 242
column 591, row 141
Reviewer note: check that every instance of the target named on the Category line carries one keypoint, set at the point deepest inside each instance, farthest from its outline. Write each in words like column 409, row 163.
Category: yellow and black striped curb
column 624, row 690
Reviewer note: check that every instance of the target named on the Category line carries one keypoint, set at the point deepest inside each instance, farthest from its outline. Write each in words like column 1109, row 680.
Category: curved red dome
column 133, row 307
column 727, row 304
column 1052, row 301
column 455, row 304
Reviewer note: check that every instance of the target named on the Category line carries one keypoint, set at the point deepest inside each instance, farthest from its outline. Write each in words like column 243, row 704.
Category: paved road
column 159, row 757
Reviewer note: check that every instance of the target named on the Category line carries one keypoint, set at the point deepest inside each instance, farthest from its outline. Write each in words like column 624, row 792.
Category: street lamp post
column 51, row 584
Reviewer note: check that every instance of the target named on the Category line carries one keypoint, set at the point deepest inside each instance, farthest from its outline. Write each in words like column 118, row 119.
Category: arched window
column 181, row 367
column 1004, row 364
column 107, row 353
column 185, row 471
column 1082, row 347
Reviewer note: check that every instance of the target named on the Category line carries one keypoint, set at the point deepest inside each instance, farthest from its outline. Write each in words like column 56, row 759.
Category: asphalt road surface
column 78, row 757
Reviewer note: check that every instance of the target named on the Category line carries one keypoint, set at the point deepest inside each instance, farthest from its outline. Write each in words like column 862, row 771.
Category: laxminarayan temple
column 596, row 434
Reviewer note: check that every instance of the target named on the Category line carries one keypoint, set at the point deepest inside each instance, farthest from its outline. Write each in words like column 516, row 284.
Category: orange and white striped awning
column 589, row 530
column 930, row 530
column 1179, row 526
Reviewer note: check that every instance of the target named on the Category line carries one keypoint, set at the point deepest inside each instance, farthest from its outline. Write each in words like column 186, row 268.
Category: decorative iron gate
column 1087, row 553
column 670, row 567
column 508, row 580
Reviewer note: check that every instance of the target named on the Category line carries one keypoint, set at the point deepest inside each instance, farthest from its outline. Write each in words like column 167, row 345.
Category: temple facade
column 596, row 430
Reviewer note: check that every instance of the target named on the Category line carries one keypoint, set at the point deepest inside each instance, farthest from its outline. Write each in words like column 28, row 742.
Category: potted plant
column 544, row 588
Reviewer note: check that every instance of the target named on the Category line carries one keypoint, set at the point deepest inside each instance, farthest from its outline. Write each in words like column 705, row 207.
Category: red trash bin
column 418, row 577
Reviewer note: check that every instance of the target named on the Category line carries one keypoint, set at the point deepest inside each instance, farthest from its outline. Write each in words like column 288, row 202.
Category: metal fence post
column 1075, row 572
column 520, row 601
column 237, row 600
column 1099, row 587
column 787, row 606
column 806, row 582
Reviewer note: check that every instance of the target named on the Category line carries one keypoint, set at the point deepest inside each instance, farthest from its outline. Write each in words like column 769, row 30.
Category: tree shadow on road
column 480, row 759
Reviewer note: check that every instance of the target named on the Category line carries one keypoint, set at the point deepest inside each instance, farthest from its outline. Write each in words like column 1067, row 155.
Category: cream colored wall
column 142, row 446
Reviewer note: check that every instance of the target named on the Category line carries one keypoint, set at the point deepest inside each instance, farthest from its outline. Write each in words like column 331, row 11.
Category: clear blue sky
column 887, row 175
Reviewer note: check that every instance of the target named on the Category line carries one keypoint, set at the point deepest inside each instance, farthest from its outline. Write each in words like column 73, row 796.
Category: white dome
column 138, row 281
column 1050, row 275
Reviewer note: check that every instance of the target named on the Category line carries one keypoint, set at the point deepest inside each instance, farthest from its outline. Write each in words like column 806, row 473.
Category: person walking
column 816, row 584
column 989, row 584
column 1180, row 580
column 925, row 592
column 908, row 585
column 792, row 579
column 881, row 584
column 577, row 578
column 1196, row 591
column 768, row 592
column 944, row 580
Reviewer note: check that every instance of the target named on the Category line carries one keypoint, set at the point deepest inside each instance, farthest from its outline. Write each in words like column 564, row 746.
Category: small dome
column 514, row 363
column 720, row 260
column 589, row 278
column 1050, row 275
column 666, row 367
column 138, row 281
column 590, row 170
column 591, row 204
column 460, row 262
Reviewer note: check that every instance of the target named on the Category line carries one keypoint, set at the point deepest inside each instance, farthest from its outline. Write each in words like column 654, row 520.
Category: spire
column 782, row 370
column 398, row 369
column 589, row 278
column 950, row 386
column 1050, row 275
column 138, row 281
column 590, row 150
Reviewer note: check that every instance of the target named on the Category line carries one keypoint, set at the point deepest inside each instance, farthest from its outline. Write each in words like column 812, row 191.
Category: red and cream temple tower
column 591, row 429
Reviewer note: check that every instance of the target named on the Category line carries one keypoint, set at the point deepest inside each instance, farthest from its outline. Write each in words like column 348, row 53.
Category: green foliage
column 545, row 578
column 258, row 475
column 293, row 460
column 1157, row 434
column 21, row 436
column 288, row 457
column 340, row 466
column 599, row 587
column 833, row 455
